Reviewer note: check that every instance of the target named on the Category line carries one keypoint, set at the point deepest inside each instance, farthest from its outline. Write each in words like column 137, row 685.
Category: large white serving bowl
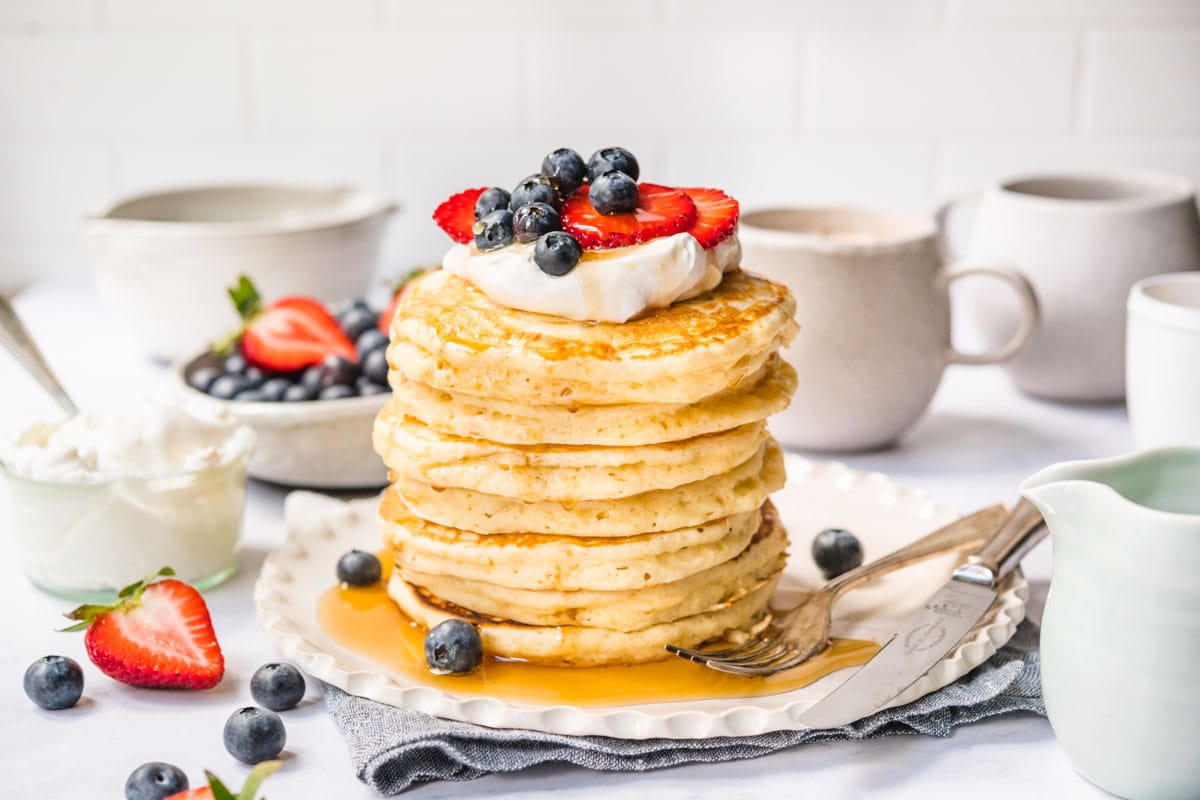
column 317, row 444
column 163, row 261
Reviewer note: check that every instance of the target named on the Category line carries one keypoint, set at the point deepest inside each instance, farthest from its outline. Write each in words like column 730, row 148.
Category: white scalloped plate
column 818, row 495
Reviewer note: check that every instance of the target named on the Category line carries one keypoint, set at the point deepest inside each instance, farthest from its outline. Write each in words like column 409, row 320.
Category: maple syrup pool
column 366, row 621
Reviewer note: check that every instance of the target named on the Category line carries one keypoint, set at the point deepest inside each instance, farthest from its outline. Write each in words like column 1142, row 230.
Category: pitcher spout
column 1164, row 481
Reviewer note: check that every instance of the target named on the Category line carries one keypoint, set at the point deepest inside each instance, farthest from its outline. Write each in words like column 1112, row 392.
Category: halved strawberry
column 716, row 215
column 389, row 313
column 215, row 790
column 290, row 334
column 456, row 215
column 661, row 211
column 158, row 633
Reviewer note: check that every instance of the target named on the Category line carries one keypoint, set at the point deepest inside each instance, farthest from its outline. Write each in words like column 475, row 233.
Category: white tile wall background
column 882, row 102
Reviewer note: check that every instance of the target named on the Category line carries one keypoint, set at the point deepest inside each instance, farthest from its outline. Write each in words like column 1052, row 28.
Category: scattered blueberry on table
column 453, row 647
column 359, row 568
column 155, row 780
column 836, row 550
column 254, row 734
column 276, row 686
column 54, row 682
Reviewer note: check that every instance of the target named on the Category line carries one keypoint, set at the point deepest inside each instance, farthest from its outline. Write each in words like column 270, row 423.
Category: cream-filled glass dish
column 98, row 502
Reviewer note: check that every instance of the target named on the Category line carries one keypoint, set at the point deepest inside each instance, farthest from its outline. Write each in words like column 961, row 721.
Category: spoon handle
column 16, row 338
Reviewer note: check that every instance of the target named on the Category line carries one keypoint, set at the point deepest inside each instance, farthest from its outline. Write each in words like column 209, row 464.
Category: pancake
column 579, row 645
column 620, row 425
column 557, row 472
column 449, row 336
column 741, row 489
column 619, row 610
column 563, row 563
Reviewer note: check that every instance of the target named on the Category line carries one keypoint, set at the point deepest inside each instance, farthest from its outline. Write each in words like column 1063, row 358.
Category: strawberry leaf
column 245, row 298
column 127, row 598
column 256, row 777
column 249, row 305
column 219, row 792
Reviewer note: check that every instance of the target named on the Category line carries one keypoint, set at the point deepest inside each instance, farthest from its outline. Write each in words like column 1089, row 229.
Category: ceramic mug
column 1082, row 240
column 1163, row 360
column 874, row 314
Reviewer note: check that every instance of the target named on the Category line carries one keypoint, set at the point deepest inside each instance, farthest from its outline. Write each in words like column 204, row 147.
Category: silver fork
column 793, row 636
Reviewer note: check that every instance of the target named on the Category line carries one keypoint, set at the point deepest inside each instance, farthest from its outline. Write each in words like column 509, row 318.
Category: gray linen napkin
column 393, row 749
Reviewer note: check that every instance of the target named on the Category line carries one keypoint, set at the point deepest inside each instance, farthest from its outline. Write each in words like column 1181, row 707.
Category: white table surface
column 978, row 441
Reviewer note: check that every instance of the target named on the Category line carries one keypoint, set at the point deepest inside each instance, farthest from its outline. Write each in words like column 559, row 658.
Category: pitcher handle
column 1030, row 313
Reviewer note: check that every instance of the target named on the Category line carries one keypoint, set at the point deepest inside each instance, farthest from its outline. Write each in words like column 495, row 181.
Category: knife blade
column 934, row 629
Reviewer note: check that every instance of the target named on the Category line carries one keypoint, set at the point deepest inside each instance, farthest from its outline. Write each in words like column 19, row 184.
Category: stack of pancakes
column 585, row 493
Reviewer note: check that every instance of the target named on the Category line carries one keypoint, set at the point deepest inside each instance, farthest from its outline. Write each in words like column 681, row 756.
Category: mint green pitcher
column 1121, row 630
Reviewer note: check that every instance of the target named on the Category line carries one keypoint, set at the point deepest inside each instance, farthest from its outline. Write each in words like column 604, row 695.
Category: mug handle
column 1030, row 313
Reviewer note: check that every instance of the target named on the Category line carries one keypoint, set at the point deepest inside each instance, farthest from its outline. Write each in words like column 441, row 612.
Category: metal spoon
column 16, row 338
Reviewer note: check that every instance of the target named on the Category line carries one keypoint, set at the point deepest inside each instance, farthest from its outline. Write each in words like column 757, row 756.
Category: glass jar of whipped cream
column 98, row 502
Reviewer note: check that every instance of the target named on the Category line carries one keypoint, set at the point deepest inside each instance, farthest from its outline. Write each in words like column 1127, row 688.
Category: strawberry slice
column 389, row 313
column 456, row 215
column 661, row 211
column 215, row 790
column 290, row 334
column 716, row 215
column 158, row 633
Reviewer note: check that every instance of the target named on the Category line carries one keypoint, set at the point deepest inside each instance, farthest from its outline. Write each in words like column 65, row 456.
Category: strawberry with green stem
column 158, row 634
column 290, row 334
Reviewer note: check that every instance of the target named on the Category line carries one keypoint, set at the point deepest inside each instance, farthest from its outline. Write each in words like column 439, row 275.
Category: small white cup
column 1163, row 360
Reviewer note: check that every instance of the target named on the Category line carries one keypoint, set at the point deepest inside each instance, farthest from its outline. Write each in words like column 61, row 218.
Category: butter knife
column 935, row 628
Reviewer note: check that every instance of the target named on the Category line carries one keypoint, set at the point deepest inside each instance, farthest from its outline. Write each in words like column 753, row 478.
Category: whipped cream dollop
column 143, row 441
column 606, row 285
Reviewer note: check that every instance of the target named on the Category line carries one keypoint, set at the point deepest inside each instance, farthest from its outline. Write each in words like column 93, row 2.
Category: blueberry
column 494, row 231
column 248, row 396
column 226, row 386
column 534, row 189
column 357, row 320
column 531, row 221
column 556, row 253
column 278, row 687
column 836, row 551
column 203, row 378
column 369, row 340
column 273, row 389
column 254, row 377
column 565, row 168
column 613, row 193
column 453, row 647
column 346, row 306
column 298, row 393
column 359, row 568
column 254, row 734
column 235, row 364
column 607, row 158
column 339, row 391
column 492, row 199
column 54, row 682
column 311, row 379
column 155, row 781
column 336, row 371
column 375, row 366
column 367, row 388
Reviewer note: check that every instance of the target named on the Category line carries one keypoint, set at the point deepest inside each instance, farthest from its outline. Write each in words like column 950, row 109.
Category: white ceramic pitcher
column 1121, row 630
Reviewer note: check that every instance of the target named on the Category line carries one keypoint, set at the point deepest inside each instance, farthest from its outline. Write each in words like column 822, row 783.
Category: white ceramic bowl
column 319, row 444
column 163, row 261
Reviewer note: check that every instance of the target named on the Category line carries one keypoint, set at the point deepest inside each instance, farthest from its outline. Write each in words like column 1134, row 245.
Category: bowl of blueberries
column 308, row 380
